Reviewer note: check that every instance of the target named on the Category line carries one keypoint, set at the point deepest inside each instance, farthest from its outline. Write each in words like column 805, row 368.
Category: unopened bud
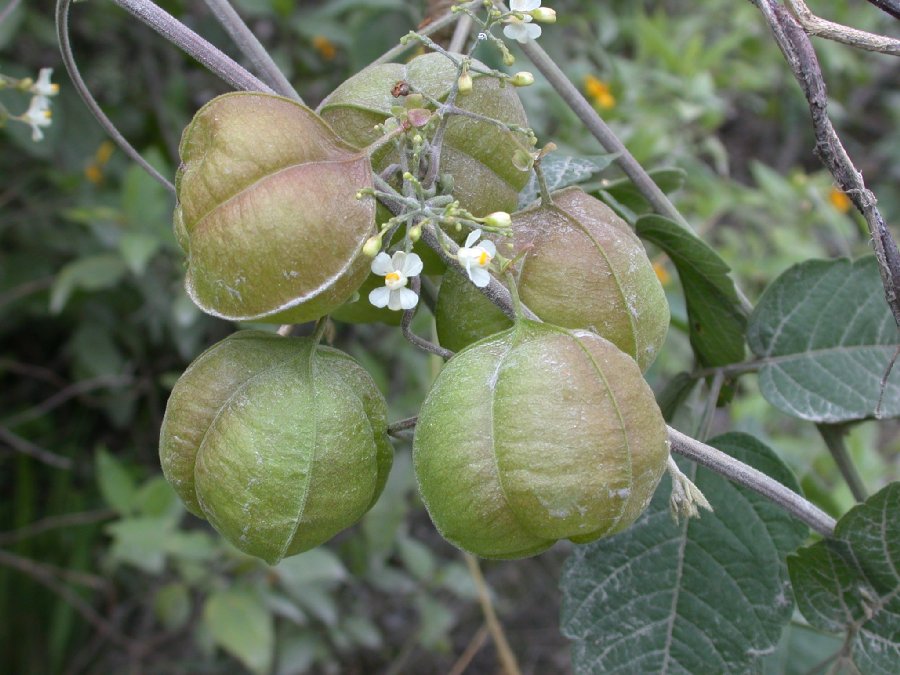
column 464, row 83
column 544, row 15
column 522, row 79
column 498, row 219
column 372, row 246
column 415, row 233
column 508, row 58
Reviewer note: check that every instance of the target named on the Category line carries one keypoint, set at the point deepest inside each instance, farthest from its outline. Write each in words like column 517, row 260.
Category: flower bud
column 415, row 233
column 543, row 15
column 508, row 58
column 464, row 83
column 498, row 219
column 372, row 246
column 522, row 79
column 279, row 442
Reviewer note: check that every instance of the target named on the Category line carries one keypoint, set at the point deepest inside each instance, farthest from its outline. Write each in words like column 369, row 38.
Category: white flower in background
column 37, row 116
column 522, row 29
column 476, row 258
column 396, row 271
column 44, row 87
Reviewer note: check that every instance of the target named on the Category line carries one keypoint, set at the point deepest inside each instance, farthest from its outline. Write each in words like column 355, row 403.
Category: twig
column 833, row 435
column 25, row 289
column 460, row 34
column 801, row 58
column 507, row 658
column 9, row 9
column 419, row 342
column 395, row 428
column 433, row 27
column 757, row 481
column 474, row 646
column 53, row 523
column 19, row 444
column 60, row 397
column 891, row 7
column 251, row 48
column 45, row 577
column 815, row 25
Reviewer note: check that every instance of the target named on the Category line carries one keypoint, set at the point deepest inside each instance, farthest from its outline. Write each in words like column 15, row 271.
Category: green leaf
column 137, row 249
column 709, row 595
column 851, row 582
column 418, row 559
column 318, row 566
column 240, row 624
column 117, row 487
column 172, row 605
column 140, row 542
column 717, row 320
column 560, row 172
column 92, row 273
column 156, row 498
column 826, row 336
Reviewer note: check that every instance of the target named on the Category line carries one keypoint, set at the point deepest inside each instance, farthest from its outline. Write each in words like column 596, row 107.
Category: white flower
column 476, row 258
column 396, row 272
column 522, row 29
column 43, row 87
column 37, row 116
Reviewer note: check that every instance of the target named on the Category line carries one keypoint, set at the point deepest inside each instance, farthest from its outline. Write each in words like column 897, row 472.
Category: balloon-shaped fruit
column 267, row 210
column 279, row 442
column 582, row 267
column 483, row 160
column 536, row 434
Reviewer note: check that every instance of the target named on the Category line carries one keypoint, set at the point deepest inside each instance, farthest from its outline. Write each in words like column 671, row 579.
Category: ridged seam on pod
column 585, row 268
column 267, row 210
column 536, row 434
column 278, row 442
column 477, row 154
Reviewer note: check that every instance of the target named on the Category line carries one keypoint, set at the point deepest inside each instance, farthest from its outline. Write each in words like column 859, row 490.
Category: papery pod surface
column 463, row 315
column 537, row 434
column 267, row 210
column 477, row 154
column 280, row 443
column 582, row 267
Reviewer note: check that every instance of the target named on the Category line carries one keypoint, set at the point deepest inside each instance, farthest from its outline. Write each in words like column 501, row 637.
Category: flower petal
column 380, row 296
column 524, row 5
column 532, row 32
column 408, row 299
column 382, row 264
column 397, row 260
column 480, row 276
column 412, row 266
column 489, row 246
column 394, row 300
column 472, row 238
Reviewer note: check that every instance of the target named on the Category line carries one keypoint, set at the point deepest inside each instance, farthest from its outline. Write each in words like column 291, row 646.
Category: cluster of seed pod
column 532, row 433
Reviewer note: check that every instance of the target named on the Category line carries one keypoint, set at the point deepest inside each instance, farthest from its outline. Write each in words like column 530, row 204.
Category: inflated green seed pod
column 583, row 267
column 478, row 156
column 267, row 210
column 463, row 315
column 280, row 443
column 536, row 434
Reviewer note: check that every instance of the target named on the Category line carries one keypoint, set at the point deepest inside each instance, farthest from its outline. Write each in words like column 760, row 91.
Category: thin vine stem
column 438, row 24
column 7, row 11
column 504, row 651
column 745, row 475
column 833, row 435
column 251, row 47
column 68, row 58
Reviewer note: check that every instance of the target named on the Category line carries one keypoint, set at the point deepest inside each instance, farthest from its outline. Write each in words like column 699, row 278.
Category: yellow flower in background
column 94, row 169
column 839, row 200
column 325, row 47
column 661, row 272
column 598, row 91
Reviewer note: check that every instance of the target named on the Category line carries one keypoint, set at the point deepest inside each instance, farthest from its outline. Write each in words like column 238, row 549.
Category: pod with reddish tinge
column 582, row 267
column 268, row 212
column 484, row 160
column 280, row 443
column 536, row 434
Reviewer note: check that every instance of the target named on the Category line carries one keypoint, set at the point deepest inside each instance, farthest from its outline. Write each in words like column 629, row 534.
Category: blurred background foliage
column 100, row 568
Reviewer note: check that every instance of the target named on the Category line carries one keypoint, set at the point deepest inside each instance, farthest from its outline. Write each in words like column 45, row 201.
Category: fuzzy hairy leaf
column 826, row 337
column 560, row 172
column 852, row 581
column 709, row 595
